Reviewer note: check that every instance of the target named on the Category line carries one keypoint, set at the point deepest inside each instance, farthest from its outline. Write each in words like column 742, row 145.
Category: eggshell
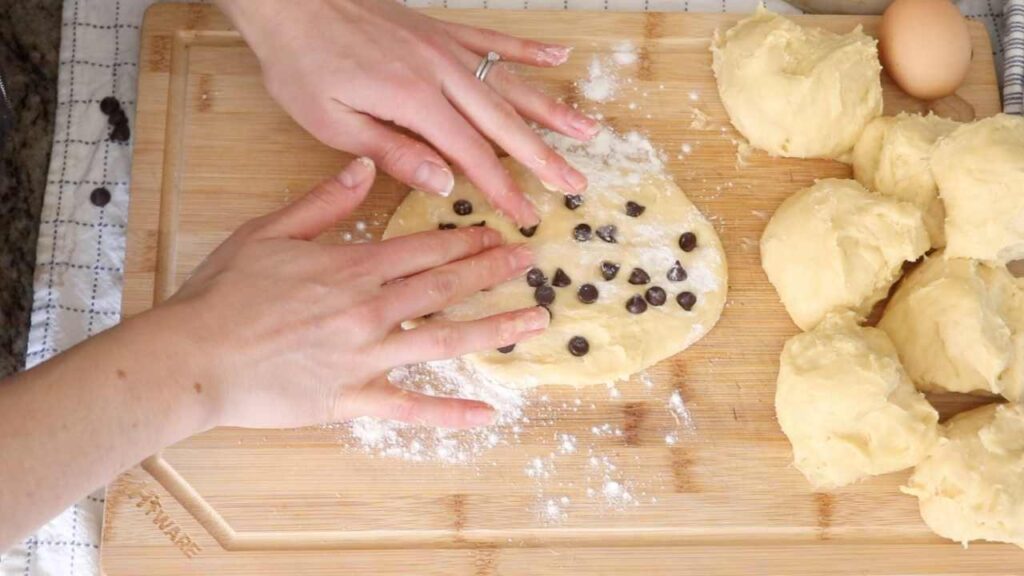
column 925, row 47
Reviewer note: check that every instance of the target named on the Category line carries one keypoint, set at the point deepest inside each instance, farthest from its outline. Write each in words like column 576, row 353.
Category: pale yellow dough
column 797, row 91
column 620, row 343
column 836, row 245
column 979, row 169
column 893, row 157
column 971, row 487
column 847, row 406
column 959, row 326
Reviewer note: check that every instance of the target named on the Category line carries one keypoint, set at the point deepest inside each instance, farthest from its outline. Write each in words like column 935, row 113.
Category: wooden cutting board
column 212, row 150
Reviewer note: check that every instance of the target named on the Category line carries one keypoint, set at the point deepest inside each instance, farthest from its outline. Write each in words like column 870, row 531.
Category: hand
column 345, row 69
column 299, row 333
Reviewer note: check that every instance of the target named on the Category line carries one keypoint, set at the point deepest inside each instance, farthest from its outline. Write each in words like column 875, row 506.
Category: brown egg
column 925, row 47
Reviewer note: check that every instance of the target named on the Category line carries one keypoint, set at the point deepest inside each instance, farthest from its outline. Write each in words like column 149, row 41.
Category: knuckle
column 397, row 153
column 507, row 329
column 446, row 339
column 444, row 284
column 403, row 409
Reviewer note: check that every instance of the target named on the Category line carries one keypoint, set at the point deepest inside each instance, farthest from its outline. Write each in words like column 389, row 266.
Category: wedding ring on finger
column 486, row 64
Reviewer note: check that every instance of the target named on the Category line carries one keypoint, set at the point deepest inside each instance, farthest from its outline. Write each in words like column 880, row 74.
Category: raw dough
column 979, row 169
column 971, row 487
column 892, row 157
column 620, row 169
column 959, row 325
column 847, row 406
column 836, row 245
column 796, row 91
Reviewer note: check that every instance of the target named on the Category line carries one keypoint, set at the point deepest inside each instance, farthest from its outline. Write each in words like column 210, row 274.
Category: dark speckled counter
column 29, row 48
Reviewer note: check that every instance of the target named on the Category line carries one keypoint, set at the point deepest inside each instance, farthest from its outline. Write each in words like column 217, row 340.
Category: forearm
column 71, row 424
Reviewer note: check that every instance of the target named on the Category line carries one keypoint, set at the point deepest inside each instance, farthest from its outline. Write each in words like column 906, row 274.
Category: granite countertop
column 29, row 54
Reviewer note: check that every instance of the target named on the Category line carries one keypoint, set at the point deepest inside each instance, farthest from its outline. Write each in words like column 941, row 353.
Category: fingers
column 541, row 108
column 435, row 289
column 407, row 255
column 324, row 205
column 405, row 158
column 438, row 340
column 382, row 400
column 482, row 41
column 450, row 133
column 496, row 118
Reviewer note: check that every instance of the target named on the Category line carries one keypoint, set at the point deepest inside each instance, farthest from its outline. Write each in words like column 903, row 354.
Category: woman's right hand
column 290, row 332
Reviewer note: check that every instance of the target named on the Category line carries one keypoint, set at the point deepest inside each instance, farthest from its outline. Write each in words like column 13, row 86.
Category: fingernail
column 576, row 181
column 359, row 171
column 553, row 55
column 480, row 416
column 584, row 125
column 522, row 257
column 536, row 318
column 433, row 177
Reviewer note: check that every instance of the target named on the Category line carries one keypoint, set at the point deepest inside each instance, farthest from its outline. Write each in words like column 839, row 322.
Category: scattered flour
column 679, row 411
column 601, row 83
column 700, row 119
column 624, row 53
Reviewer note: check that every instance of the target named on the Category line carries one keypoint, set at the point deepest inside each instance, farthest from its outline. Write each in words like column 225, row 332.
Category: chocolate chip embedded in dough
column 480, row 223
column 581, row 233
column 561, row 279
column 688, row 241
column 607, row 233
column 655, row 296
column 676, row 273
column 636, row 304
column 686, row 300
column 544, row 295
column 609, row 270
column 633, row 209
column 536, row 278
column 446, row 226
column 639, row 276
column 463, row 207
column 573, row 201
column 529, row 231
column 578, row 346
column 507, row 349
column 587, row 293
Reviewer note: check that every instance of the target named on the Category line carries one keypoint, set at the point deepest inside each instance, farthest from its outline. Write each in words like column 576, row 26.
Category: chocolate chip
column 607, row 233
column 633, row 209
column 655, row 296
column 507, row 349
column 578, row 346
column 463, row 207
column 638, row 276
column 100, row 197
column 609, row 270
column 480, row 223
column 535, row 277
column 688, row 241
column 561, row 279
column 581, row 233
column 544, row 295
column 109, row 104
column 636, row 304
column 446, row 226
column 676, row 273
column 587, row 293
column 573, row 201
column 117, row 117
column 686, row 300
column 529, row 231
column 121, row 133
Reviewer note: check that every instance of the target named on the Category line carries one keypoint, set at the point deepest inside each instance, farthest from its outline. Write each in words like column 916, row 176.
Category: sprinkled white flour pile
column 602, row 81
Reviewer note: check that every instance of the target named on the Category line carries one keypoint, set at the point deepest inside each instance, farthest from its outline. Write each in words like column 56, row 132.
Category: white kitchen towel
column 80, row 254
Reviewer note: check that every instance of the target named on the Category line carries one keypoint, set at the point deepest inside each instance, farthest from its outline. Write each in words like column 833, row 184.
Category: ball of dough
column 893, row 156
column 971, row 487
column 797, row 91
column 979, row 170
column 847, row 406
column 669, row 266
column 959, row 326
column 836, row 245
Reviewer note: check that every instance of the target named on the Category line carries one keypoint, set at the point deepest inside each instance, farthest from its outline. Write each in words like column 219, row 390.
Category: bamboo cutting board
column 212, row 150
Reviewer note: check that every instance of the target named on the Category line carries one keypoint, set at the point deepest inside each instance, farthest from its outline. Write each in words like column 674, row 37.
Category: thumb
column 383, row 400
column 324, row 205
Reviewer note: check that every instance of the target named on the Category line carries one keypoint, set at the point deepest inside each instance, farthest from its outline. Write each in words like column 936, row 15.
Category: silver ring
column 485, row 65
